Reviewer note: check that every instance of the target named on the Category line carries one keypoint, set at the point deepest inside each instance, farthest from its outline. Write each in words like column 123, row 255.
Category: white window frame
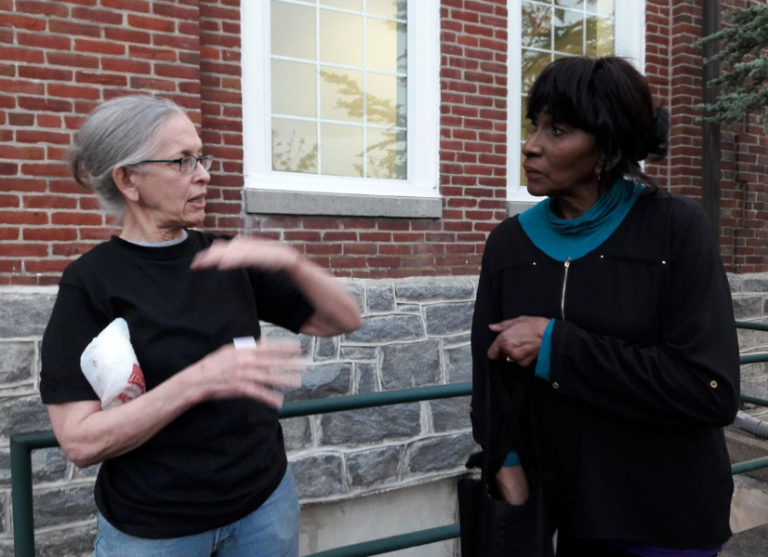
column 423, row 113
column 630, row 44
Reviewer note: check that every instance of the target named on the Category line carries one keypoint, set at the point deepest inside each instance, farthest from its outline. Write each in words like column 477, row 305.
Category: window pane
column 395, row 9
column 526, row 128
column 602, row 7
column 341, row 94
column 599, row 36
column 294, row 89
column 341, row 38
column 386, row 100
column 294, row 146
column 569, row 31
column 386, row 154
column 533, row 64
column 342, row 150
column 386, row 45
column 537, row 26
column 293, row 30
column 356, row 5
column 575, row 4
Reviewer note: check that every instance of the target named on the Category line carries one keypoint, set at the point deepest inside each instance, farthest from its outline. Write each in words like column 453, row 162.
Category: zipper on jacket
column 565, row 283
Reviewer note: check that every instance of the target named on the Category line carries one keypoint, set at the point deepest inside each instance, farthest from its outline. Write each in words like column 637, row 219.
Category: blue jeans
column 272, row 530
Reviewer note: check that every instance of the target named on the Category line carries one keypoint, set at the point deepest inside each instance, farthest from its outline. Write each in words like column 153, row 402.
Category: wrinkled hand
column 243, row 251
column 231, row 372
column 513, row 484
column 519, row 339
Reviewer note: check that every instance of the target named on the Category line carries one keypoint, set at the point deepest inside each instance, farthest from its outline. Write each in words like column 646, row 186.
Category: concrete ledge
column 517, row 207
column 281, row 202
column 749, row 543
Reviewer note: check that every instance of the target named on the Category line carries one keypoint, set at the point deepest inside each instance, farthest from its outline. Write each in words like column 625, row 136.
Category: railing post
column 21, row 496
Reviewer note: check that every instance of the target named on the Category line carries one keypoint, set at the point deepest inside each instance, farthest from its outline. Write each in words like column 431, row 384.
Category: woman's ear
column 126, row 179
column 613, row 162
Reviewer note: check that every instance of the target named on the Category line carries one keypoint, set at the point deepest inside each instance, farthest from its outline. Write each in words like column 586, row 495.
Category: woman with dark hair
column 609, row 304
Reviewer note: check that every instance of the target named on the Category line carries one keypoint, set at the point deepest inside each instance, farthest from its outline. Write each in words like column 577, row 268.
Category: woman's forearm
column 89, row 437
column 335, row 311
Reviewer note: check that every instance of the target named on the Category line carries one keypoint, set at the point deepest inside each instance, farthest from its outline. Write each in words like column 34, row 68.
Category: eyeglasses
column 188, row 164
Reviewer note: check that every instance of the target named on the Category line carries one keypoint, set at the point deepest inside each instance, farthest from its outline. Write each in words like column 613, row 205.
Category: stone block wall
column 750, row 303
column 415, row 333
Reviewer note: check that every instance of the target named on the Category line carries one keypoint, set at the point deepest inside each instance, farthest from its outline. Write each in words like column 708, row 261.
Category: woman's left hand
column 242, row 251
column 519, row 339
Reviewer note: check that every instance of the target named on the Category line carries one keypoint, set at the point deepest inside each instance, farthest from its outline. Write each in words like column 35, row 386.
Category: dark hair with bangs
column 608, row 98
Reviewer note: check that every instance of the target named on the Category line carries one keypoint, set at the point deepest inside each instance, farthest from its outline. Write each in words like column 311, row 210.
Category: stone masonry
column 415, row 333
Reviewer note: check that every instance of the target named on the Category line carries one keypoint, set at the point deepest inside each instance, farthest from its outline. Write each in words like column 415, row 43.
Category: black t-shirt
column 220, row 460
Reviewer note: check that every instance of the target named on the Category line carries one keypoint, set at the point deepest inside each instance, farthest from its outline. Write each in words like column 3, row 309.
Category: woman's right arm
column 89, row 435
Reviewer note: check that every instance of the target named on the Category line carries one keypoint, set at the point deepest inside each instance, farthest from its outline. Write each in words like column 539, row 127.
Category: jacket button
column 713, row 384
column 555, row 385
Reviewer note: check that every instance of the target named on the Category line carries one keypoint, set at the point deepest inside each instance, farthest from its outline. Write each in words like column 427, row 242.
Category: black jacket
column 644, row 375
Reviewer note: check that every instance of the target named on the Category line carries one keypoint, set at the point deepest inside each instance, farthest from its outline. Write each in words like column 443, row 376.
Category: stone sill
column 281, row 202
column 517, row 207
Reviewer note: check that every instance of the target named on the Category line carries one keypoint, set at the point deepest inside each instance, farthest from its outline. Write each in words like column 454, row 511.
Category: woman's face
column 168, row 198
column 560, row 160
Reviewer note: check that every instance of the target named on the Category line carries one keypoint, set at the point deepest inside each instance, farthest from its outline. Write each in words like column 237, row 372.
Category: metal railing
column 23, row 444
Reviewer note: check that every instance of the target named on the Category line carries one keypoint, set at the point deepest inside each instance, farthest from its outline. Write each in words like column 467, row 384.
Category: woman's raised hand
column 519, row 339
column 243, row 251
column 256, row 372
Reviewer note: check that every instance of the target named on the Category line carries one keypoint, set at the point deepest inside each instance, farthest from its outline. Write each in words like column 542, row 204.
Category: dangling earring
column 599, row 174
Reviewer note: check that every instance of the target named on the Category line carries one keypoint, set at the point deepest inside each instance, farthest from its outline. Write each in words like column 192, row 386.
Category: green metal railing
column 23, row 444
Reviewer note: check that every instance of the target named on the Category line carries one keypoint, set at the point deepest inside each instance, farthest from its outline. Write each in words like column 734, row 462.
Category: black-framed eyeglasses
column 187, row 164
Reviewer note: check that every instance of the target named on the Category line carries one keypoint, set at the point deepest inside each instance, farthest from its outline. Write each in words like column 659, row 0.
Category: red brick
column 151, row 23
column 50, row 234
column 21, row 184
column 189, row 28
column 23, row 22
column 152, row 83
column 79, row 219
column 13, row 54
column 69, row 28
column 116, row 80
column 40, row 40
column 27, row 136
column 125, row 66
column 9, row 233
column 21, row 153
column 68, row 250
column 74, row 60
column 9, row 201
column 46, row 265
column 206, row 10
column 127, row 35
column 51, row 169
column 177, row 42
column 141, row 6
column 102, row 17
column 99, row 47
column 23, row 217
column 49, row 202
column 23, row 250
column 73, row 92
column 175, row 12
column 46, row 74
column 51, row 9
column 21, row 119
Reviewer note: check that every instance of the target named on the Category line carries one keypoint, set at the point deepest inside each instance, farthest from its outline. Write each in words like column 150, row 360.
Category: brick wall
column 59, row 59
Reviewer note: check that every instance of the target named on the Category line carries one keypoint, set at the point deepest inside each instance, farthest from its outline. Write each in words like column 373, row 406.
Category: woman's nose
column 531, row 148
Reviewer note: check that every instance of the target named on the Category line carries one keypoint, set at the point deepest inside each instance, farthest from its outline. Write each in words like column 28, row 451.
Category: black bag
column 491, row 527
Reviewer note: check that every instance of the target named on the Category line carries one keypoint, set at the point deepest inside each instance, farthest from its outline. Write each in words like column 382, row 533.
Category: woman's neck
column 577, row 203
column 146, row 231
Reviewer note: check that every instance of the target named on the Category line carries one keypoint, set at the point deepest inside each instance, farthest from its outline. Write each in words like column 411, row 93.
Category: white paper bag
column 110, row 365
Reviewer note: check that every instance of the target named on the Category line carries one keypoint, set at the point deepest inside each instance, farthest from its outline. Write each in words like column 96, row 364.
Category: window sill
column 517, row 207
column 282, row 202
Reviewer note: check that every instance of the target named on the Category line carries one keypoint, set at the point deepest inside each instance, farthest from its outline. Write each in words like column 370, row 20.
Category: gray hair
column 120, row 132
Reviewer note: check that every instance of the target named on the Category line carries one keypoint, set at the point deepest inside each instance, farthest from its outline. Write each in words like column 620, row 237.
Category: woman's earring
column 599, row 174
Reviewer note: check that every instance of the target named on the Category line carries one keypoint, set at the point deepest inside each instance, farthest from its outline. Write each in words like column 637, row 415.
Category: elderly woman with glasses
column 196, row 465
